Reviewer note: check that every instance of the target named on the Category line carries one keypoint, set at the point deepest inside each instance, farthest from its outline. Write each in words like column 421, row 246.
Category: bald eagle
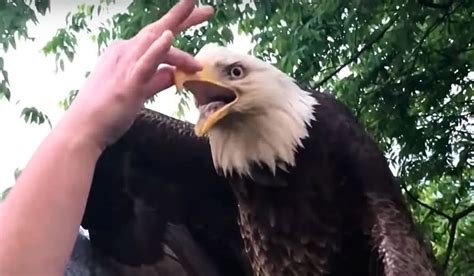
column 315, row 194
column 157, row 207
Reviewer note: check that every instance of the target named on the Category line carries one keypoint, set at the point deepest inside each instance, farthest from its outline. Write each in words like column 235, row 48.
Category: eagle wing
column 398, row 248
column 156, row 199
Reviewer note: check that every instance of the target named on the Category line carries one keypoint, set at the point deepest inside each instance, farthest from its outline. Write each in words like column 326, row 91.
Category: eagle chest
column 283, row 232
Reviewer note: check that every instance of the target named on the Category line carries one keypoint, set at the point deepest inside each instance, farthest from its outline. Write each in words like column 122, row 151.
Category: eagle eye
column 236, row 71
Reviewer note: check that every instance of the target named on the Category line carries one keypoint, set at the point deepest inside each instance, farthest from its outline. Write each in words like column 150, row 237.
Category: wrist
column 78, row 135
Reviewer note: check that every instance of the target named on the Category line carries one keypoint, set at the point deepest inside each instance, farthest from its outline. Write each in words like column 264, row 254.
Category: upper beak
column 181, row 77
column 205, row 87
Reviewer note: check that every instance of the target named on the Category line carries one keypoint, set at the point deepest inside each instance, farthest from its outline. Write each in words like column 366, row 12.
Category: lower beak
column 208, row 81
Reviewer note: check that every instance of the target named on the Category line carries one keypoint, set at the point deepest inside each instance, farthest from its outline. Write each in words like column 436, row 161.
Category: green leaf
column 227, row 34
column 69, row 55
column 17, row 173
column 5, row 193
column 12, row 42
column 7, row 93
column 5, row 76
column 42, row 6
column 4, row 91
column 65, row 103
column 89, row 10
column 33, row 115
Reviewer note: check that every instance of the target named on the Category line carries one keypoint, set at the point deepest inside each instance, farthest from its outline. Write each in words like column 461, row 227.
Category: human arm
column 40, row 218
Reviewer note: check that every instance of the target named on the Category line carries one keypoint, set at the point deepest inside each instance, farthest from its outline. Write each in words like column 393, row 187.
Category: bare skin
column 40, row 218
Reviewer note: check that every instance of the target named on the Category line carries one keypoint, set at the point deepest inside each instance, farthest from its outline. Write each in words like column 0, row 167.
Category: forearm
column 45, row 207
column 40, row 218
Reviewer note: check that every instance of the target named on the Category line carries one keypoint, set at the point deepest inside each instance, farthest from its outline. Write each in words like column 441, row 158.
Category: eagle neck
column 269, row 135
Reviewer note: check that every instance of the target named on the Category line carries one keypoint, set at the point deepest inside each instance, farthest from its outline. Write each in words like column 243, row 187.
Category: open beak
column 212, row 98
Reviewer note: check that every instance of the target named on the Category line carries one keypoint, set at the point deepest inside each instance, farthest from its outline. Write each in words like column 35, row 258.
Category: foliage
column 14, row 16
column 4, row 194
column 410, row 82
column 33, row 115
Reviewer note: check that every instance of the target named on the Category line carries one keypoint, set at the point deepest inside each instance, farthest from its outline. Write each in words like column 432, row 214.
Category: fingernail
column 167, row 33
column 209, row 8
column 195, row 66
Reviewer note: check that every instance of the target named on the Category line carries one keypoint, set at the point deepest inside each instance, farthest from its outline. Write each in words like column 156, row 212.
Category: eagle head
column 251, row 112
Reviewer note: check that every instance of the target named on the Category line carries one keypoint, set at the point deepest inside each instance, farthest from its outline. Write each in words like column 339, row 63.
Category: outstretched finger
column 198, row 16
column 146, row 66
column 181, row 16
column 182, row 60
column 173, row 18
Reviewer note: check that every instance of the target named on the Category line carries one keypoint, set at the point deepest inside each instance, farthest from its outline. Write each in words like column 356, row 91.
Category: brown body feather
column 337, row 212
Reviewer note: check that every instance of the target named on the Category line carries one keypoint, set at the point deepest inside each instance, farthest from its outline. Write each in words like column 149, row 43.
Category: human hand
column 127, row 75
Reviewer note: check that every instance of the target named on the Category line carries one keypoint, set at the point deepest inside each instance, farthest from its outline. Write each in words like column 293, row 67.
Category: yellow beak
column 205, row 77
column 181, row 77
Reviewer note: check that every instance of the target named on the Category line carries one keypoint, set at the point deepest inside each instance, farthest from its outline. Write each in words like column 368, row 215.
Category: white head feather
column 267, row 123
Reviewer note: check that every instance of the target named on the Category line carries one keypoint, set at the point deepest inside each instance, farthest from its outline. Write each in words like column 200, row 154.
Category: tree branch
column 356, row 55
column 464, row 212
column 433, row 5
column 434, row 210
column 449, row 249
column 452, row 232
column 427, row 33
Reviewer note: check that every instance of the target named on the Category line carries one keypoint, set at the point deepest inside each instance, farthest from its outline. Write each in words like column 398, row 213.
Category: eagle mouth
column 209, row 97
column 212, row 100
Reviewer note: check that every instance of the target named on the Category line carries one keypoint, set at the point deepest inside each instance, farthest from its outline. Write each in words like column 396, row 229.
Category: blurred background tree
column 14, row 17
column 405, row 68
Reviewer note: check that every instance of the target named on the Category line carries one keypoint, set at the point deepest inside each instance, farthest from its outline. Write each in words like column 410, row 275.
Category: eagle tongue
column 205, row 111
